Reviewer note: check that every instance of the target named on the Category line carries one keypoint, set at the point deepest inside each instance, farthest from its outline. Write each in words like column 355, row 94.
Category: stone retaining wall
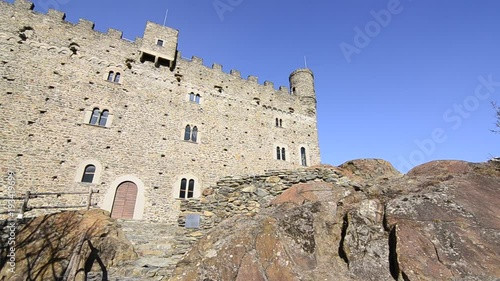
column 247, row 195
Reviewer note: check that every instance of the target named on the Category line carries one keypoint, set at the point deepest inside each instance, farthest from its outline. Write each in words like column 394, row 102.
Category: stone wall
column 247, row 195
column 53, row 74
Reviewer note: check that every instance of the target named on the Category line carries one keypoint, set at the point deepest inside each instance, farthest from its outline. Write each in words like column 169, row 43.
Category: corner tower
column 302, row 85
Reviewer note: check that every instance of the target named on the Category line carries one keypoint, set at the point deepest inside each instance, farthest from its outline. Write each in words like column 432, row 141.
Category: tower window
column 303, row 157
column 103, row 118
column 159, row 43
column 194, row 134
column 280, row 153
column 191, row 133
column 95, row 116
column 187, row 133
column 279, row 123
column 196, row 98
column 114, row 77
column 187, row 189
column 88, row 174
column 99, row 118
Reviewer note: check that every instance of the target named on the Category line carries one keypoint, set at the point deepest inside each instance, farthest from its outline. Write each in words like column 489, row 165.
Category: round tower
column 302, row 86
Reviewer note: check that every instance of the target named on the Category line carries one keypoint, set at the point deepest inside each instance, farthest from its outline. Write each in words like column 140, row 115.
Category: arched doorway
column 124, row 202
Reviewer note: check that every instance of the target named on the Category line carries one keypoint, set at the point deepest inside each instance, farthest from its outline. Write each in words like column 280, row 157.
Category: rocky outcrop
column 362, row 220
column 45, row 247
column 439, row 222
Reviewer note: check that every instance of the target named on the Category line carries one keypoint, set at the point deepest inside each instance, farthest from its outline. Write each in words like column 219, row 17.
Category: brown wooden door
column 124, row 203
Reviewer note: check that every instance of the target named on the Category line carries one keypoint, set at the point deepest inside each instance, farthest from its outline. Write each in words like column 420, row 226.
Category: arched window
column 303, row 157
column 117, row 77
column 182, row 192
column 278, row 153
column 104, row 118
column 187, row 189
column 191, row 97
column 283, row 154
column 88, row 174
column 281, row 123
column 190, row 193
column 197, row 99
column 111, row 76
column 194, row 134
column 277, row 122
column 187, row 133
column 99, row 118
column 95, row 116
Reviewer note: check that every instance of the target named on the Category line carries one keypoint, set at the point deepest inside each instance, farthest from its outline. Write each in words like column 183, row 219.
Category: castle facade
column 81, row 109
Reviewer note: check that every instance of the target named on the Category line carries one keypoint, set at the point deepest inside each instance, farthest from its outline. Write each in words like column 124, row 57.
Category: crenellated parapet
column 159, row 47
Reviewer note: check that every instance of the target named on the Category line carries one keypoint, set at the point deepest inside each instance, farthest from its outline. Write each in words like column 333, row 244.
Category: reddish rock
column 370, row 169
column 441, row 167
column 440, row 222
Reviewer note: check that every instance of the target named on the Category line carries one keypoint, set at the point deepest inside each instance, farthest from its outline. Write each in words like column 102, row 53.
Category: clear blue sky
column 397, row 80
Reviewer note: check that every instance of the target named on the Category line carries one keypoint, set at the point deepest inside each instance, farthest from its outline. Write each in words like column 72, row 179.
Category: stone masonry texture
column 53, row 74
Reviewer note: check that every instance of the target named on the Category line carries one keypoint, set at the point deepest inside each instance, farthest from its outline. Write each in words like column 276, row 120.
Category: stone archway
column 124, row 201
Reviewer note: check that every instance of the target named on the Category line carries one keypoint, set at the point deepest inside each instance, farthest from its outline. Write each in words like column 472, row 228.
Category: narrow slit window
column 191, row 97
column 88, row 174
column 197, row 99
column 277, row 122
column 182, row 192
column 111, row 75
column 303, row 156
column 278, row 153
column 283, row 154
column 281, row 123
column 187, row 133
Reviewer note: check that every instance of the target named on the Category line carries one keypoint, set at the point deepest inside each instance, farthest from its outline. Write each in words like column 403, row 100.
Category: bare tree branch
column 497, row 109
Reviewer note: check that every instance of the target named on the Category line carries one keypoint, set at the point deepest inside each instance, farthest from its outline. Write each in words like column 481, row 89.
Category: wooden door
column 124, row 203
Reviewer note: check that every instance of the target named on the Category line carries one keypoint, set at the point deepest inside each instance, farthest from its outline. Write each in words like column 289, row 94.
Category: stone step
column 159, row 247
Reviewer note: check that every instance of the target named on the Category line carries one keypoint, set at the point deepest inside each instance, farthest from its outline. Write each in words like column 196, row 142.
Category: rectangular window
column 159, row 43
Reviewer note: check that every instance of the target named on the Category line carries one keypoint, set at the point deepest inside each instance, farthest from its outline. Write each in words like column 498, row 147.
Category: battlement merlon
column 159, row 42
column 24, row 5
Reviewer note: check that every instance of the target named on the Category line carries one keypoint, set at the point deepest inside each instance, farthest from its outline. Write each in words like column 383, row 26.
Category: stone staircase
column 159, row 246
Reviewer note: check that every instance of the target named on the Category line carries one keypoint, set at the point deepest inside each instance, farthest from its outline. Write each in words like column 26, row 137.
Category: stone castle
column 81, row 110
